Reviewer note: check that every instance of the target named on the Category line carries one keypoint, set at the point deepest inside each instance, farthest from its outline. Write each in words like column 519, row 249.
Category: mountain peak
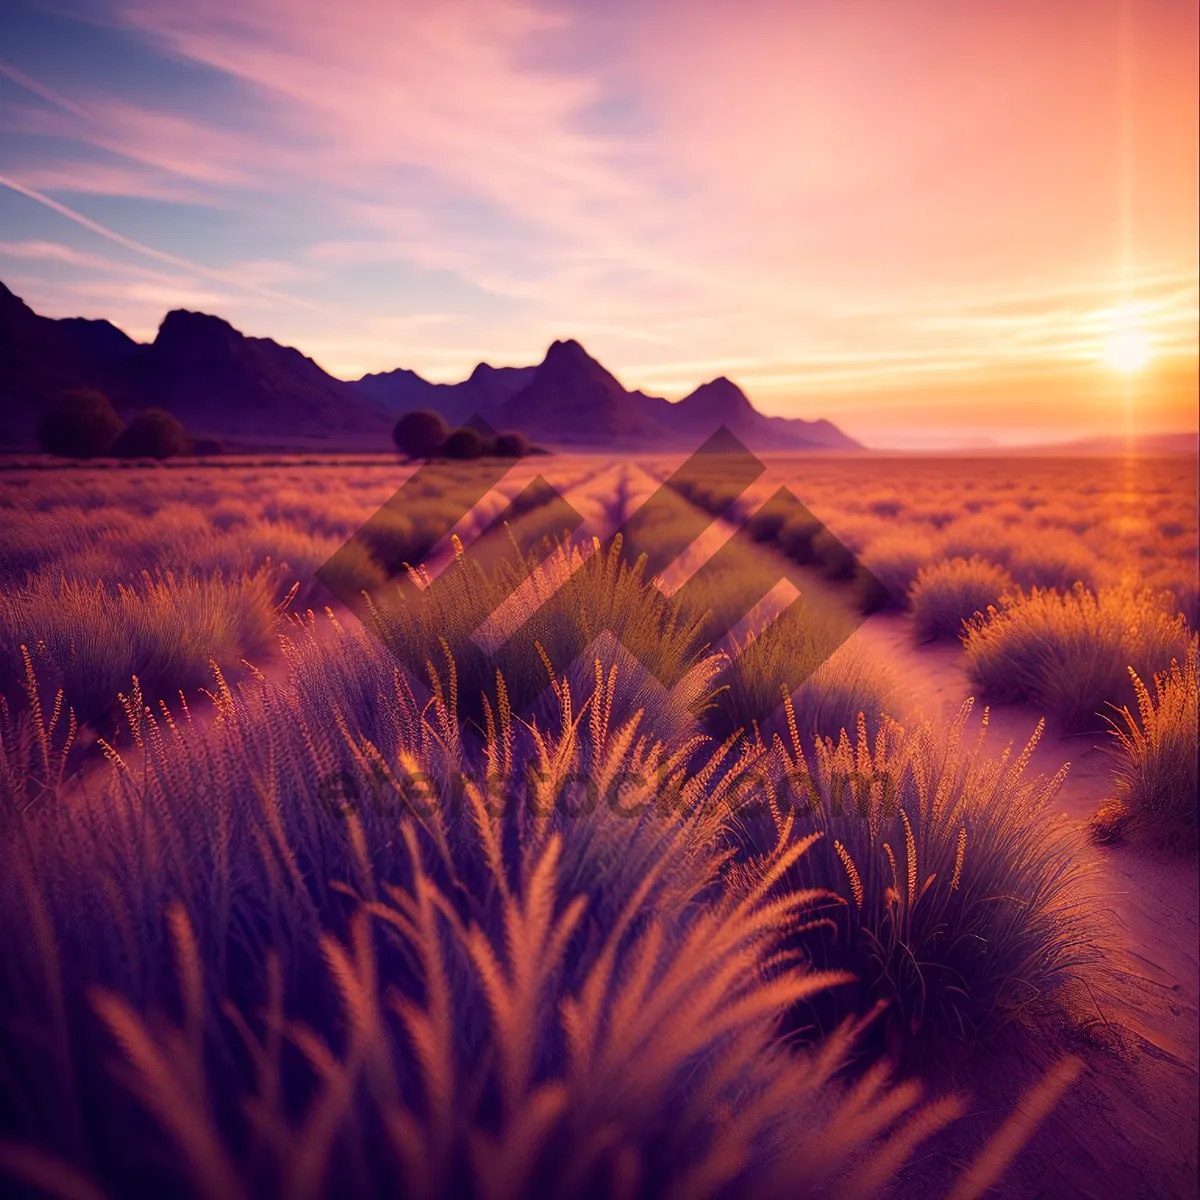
column 185, row 318
column 719, row 400
column 182, row 327
column 568, row 350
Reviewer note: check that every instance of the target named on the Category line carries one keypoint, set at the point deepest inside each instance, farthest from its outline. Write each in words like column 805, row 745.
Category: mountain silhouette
column 215, row 378
column 483, row 392
column 573, row 400
column 256, row 393
column 40, row 358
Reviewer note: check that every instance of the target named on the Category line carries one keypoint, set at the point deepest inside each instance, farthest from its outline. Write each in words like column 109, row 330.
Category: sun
column 1127, row 348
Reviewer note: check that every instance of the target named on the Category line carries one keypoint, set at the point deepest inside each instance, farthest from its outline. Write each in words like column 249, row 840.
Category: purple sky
column 931, row 222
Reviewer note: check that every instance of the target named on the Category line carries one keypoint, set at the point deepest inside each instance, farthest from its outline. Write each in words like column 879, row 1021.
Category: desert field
column 595, row 825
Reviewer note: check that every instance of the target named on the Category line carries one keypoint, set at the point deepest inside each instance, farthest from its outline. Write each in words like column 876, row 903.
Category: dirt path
column 1128, row 1128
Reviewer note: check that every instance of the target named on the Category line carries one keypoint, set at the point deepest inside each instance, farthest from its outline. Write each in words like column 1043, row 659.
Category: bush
column 512, row 445
column 464, row 444
column 207, row 447
column 946, row 595
column 1069, row 653
column 420, row 434
column 1156, row 778
column 834, row 555
column 153, row 433
column 83, row 424
column 960, row 901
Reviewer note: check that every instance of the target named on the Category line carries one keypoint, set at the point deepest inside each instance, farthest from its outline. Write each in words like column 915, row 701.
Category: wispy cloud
column 837, row 201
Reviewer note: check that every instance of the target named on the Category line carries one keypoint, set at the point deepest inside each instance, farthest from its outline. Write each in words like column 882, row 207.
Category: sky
column 935, row 223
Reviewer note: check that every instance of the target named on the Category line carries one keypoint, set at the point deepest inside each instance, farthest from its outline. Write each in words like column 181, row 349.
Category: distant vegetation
column 425, row 434
column 463, row 443
column 420, row 434
column 83, row 424
column 153, row 434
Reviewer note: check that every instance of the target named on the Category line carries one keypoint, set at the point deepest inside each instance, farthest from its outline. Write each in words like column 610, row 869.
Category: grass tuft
column 1156, row 780
column 960, row 896
column 1069, row 653
column 947, row 594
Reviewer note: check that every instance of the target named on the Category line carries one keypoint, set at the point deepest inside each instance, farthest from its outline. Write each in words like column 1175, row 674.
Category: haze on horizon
column 929, row 222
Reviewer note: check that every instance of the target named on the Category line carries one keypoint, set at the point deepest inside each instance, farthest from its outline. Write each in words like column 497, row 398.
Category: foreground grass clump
column 551, row 603
column 829, row 681
column 1156, row 779
column 1069, row 653
column 960, row 901
column 90, row 640
column 947, row 594
column 307, row 989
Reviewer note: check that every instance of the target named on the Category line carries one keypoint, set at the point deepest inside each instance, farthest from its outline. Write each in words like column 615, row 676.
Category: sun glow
column 1127, row 348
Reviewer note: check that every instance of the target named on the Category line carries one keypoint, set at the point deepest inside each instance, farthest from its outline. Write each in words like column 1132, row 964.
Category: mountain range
column 254, row 393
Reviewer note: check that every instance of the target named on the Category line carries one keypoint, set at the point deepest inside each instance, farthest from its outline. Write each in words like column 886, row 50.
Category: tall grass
column 89, row 640
column 556, row 603
column 962, row 904
column 283, row 1000
column 387, row 919
column 1157, row 769
column 947, row 594
column 829, row 683
column 1069, row 653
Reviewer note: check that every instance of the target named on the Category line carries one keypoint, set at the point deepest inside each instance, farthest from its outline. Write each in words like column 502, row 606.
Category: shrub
column 207, row 447
column 83, row 424
column 153, row 433
column 1156, row 778
column 420, row 434
column 947, row 594
column 512, row 445
column 797, row 537
column 390, row 538
column 463, row 443
column 978, row 534
column 960, row 901
column 834, row 555
column 1069, row 653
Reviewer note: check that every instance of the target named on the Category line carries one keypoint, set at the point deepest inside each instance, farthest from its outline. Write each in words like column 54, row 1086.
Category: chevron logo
column 819, row 614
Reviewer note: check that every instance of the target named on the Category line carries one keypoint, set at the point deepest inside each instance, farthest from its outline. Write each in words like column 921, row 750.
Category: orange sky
column 918, row 219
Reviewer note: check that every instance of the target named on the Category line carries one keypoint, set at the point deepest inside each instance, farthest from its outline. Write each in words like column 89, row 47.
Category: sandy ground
column 1128, row 1127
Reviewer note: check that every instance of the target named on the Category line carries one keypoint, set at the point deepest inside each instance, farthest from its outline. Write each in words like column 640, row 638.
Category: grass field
column 350, row 841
